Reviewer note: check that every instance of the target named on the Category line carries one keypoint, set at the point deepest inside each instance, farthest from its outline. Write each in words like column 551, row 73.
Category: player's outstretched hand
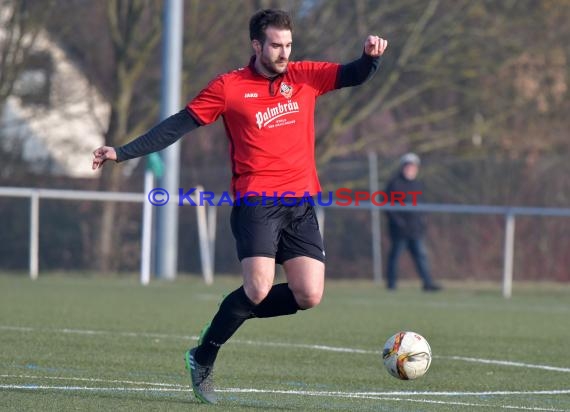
column 102, row 154
column 374, row 46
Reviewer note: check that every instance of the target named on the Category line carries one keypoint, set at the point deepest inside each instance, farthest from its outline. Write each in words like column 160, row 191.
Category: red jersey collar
column 251, row 66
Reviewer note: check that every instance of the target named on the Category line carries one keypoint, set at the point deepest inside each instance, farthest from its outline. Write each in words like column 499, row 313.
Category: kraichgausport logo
column 271, row 113
column 340, row 197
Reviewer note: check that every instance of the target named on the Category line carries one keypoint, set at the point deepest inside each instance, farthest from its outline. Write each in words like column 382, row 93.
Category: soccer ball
column 407, row 355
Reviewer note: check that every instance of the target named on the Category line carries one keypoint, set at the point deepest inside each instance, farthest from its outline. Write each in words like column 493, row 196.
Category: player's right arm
column 159, row 137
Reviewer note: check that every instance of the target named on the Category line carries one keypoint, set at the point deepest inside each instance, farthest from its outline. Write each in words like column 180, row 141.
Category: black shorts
column 277, row 228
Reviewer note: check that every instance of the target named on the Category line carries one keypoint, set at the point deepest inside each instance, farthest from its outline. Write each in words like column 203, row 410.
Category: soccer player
column 268, row 112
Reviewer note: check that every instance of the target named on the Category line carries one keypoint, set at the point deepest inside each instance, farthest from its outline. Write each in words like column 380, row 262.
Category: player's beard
column 274, row 68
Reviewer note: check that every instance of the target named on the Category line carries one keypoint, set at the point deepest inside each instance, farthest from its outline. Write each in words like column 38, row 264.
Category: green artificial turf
column 72, row 342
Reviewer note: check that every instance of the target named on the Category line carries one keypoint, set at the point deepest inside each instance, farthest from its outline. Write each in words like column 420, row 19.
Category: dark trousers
column 419, row 256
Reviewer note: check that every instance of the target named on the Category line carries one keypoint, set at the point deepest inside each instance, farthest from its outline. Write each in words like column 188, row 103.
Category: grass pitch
column 102, row 344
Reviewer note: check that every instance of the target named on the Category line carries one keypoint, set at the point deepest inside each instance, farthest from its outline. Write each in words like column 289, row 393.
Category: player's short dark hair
column 268, row 17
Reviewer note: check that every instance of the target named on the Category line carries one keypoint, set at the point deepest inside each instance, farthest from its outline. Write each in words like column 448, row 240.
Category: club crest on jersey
column 286, row 90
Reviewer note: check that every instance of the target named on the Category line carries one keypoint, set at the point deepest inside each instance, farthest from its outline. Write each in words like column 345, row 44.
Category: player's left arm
column 362, row 69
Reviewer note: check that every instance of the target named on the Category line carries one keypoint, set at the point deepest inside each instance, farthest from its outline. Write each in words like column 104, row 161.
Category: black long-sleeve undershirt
column 357, row 71
column 159, row 137
column 174, row 127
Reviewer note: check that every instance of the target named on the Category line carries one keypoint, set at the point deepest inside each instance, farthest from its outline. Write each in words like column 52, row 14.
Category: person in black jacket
column 407, row 229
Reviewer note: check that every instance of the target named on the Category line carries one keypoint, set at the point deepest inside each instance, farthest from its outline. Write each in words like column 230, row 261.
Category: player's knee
column 256, row 293
column 308, row 299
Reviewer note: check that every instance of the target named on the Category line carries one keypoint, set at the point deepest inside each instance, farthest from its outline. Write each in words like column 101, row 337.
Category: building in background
column 55, row 116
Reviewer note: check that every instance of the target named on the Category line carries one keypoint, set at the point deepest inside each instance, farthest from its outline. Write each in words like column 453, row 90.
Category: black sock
column 278, row 302
column 235, row 309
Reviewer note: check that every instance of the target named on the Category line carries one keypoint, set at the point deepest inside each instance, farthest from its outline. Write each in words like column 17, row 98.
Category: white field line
column 276, row 344
column 389, row 396
column 307, row 346
column 91, row 388
column 296, row 392
column 385, row 396
column 99, row 332
column 470, row 404
column 165, row 387
column 399, row 393
column 508, row 363
column 73, row 378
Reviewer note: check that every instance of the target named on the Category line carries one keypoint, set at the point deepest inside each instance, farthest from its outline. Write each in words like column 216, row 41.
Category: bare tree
column 21, row 23
column 411, row 70
column 135, row 30
column 440, row 76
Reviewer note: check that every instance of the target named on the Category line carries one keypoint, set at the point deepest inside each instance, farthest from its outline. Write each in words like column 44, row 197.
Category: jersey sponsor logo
column 271, row 113
column 286, row 90
column 250, row 95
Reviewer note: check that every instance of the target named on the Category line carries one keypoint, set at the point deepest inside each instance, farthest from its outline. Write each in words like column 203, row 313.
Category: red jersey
column 270, row 125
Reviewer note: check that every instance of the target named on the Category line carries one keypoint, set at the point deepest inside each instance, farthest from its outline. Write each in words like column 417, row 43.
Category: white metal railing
column 206, row 218
column 509, row 212
column 35, row 194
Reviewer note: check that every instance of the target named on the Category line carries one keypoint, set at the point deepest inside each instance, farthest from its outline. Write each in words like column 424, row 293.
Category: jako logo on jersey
column 250, row 95
column 271, row 113
column 286, row 90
